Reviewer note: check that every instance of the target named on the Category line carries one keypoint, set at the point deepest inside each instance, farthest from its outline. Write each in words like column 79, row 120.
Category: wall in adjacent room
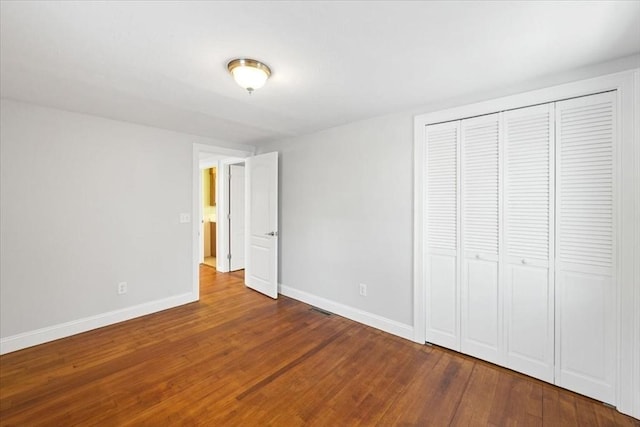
column 208, row 207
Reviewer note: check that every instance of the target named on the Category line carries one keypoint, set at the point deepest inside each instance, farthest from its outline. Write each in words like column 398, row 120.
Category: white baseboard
column 387, row 325
column 51, row 333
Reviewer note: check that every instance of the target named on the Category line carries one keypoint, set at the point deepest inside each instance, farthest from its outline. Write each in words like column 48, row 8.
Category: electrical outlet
column 363, row 290
column 122, row 288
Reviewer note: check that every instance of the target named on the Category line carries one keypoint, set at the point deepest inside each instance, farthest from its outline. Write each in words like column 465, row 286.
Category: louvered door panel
column 480, row 186
column 528, row 236
column 441, row 151
column 480, row 305
column 586, row 184
column 442, row 186
column 585, row 255
column 528, row 133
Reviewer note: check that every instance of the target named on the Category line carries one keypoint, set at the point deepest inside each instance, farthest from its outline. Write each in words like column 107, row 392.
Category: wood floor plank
column 238, row 358
column 476, row 402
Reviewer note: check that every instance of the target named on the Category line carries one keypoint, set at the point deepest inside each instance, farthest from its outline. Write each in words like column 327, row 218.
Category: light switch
column 184, row 218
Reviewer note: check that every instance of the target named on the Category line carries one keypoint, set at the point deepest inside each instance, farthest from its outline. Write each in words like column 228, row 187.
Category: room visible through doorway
column 209, row 216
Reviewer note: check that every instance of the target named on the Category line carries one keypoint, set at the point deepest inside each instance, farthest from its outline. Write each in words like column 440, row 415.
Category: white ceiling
column 163, row 63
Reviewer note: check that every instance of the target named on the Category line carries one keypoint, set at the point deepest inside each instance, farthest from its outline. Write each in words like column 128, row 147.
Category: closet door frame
column 627, row 291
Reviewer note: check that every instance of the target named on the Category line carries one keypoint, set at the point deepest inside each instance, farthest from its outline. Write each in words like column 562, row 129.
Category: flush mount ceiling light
column 249, row 73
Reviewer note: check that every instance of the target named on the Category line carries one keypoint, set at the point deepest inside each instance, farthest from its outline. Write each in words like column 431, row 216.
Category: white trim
column 63, row 330
column 419, row 249
column 387, row 325
column 222, row 244
column 526, row 99
column 635, row 114
column 209, row 163
column 222, row 223
column 628, row 278
column 627, row 248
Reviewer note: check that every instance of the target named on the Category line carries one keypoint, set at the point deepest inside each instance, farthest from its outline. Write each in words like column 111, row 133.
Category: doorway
column 261, row 216
column 208, row 208
column 211, row 205
column 222, row 214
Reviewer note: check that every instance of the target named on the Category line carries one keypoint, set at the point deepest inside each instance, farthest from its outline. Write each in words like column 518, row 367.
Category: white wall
column 346, row 215
column 89, row 202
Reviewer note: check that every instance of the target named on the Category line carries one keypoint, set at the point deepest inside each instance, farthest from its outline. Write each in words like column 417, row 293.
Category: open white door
column 261, row 254
column 236, row 217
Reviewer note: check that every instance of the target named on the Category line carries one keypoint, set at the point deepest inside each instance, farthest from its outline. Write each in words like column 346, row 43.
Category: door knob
column 272, row 233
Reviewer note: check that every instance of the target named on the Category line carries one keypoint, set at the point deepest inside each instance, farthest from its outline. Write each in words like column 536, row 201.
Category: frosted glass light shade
column 249, row 73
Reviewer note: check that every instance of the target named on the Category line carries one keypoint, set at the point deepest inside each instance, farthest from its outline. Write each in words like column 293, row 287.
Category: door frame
column 222, row 190
column 627, row 288
column 227, row 223
column 223, row 155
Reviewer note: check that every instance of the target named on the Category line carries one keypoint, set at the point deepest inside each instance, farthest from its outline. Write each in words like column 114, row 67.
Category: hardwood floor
column 237, row 358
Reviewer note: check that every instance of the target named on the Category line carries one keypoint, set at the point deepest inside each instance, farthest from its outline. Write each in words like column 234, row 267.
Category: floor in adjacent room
column 238, row 358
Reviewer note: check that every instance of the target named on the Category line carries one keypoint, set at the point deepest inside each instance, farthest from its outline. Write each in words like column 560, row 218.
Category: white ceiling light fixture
column 249, row 73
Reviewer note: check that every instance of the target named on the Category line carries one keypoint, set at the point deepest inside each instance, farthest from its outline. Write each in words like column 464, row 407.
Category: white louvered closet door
column 442, row 142
column 585, row 245
column 481, row 319
column 528, row 240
